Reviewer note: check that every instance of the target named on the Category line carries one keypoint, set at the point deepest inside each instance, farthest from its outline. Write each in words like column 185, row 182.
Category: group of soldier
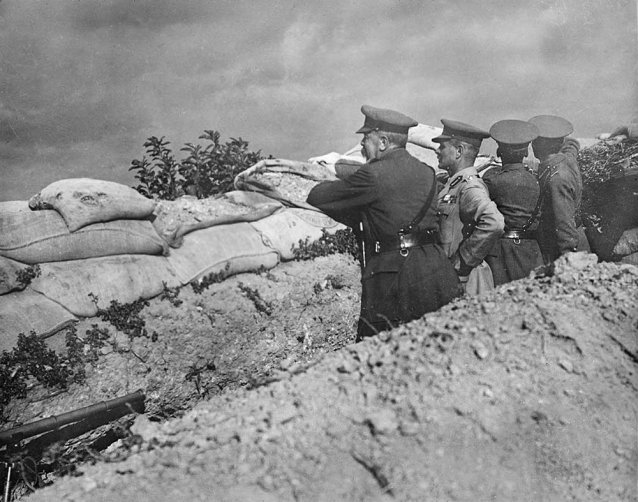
column 425, row 242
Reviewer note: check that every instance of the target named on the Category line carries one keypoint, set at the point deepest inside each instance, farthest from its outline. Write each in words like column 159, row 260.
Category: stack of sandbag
column 288, row 182
column 609, row 207
column 94, row 242
column 65, row 226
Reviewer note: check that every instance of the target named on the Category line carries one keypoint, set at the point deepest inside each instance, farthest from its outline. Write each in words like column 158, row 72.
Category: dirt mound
column 528, row 393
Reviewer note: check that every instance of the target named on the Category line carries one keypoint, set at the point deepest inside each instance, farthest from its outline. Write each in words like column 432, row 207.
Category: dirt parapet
column 528, row 393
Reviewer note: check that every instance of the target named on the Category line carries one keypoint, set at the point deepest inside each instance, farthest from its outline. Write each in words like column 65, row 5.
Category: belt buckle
column 377, row 247
column 404, row 250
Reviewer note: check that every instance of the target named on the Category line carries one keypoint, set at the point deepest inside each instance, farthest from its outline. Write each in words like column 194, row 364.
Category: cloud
column 83, row 84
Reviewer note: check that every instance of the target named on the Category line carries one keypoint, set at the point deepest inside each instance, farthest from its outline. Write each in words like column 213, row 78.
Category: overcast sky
column 83, row 83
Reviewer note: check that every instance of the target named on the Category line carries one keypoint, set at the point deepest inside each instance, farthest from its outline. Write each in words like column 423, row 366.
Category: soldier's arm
column 342, row 200
column 570, row 148
column 476, row 208
column 562, row 198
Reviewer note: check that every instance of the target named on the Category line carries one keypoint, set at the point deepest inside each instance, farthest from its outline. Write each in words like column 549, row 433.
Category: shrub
column 207, row 170
column 342, row 241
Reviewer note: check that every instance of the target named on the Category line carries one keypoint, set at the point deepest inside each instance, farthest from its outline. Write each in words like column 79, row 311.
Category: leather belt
column 403, row 242
column 518, row 235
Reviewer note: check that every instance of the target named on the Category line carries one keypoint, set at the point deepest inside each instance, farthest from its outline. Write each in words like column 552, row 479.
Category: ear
column 384, row 142
column 460, row 150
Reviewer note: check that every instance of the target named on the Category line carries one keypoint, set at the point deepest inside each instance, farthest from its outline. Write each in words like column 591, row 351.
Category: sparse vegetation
column 32, row 361
column 212, row 278
column 26, row 275
column 125, row 317
column 207, row 170
column 342, row 241
column 260, row 304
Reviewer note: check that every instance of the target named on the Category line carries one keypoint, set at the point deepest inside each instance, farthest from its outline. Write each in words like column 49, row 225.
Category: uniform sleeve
column 344, row 199
column 570, row 148
column 477, row 209
column 562, row 200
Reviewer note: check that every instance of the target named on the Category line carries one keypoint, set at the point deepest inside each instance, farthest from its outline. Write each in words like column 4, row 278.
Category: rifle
column 61, row 427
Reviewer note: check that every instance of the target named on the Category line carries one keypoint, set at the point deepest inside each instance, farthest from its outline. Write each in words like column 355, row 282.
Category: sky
column 84, row 83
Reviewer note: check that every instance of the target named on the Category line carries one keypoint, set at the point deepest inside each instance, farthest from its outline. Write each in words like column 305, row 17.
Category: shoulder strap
column 423, row 210
column 534, row 214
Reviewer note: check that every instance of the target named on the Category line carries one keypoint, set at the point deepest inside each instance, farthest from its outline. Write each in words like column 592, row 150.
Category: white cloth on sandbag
column 124, row 278
column 27, row 311
column 43, row 236
column 175, row 218
column 288, row 181
column 82, row 201
column 231, row 249
column 283, row 230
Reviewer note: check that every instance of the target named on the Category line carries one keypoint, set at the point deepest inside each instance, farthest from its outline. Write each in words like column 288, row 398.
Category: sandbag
column 231, row 248
column 288, row 181
column 82, row 201
column 283, row 230
column 9, row 270
column 630, row 258
column 43, row 236
column 27, row 311
column 628, row 243
column 125, row 278
column 174, row 219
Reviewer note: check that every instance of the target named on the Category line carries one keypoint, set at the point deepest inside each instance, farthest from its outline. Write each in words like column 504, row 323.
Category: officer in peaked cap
column 561, row 186
column 390, row 202
column 381, row 119
column 469, row 222
column 515, row 191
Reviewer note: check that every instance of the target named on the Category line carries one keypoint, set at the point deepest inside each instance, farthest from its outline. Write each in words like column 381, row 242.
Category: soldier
column 561, row 187
column 469, row 222
column 515, row 191
column 393, row 197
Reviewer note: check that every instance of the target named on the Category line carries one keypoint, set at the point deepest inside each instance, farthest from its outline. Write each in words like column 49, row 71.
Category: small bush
column 342, row 241
column 206, row 170
column 31, row 360
column 125, row 317
column 260, row 304
column 212, row 278
column 26, row 275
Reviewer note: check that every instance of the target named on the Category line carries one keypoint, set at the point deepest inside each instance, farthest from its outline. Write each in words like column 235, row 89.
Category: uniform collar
column 389, row 155
column 466, row 171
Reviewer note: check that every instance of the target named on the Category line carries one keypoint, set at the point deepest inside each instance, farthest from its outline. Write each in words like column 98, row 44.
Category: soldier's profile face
column 446, row 154
column 370, row 145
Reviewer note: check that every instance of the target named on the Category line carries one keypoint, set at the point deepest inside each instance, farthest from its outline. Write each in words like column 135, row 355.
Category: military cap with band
column 513, row 134
column 380, row 119
column 552, row 126
column 463, row 132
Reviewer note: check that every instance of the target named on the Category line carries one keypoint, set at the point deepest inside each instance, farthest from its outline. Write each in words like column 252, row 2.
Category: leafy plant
column 342, row 241
column 260, row 304
column 171, row 294
column 207, row 170
column 125, row 317
column 27, row 274
column 212, row 278
column 159, row 175
column 31, row 359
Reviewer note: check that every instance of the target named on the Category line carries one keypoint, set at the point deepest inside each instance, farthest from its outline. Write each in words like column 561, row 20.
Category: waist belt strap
column 406, row 241
column 518, row 234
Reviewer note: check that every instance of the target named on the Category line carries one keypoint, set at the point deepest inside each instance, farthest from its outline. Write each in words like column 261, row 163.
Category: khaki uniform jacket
column 469, row 222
